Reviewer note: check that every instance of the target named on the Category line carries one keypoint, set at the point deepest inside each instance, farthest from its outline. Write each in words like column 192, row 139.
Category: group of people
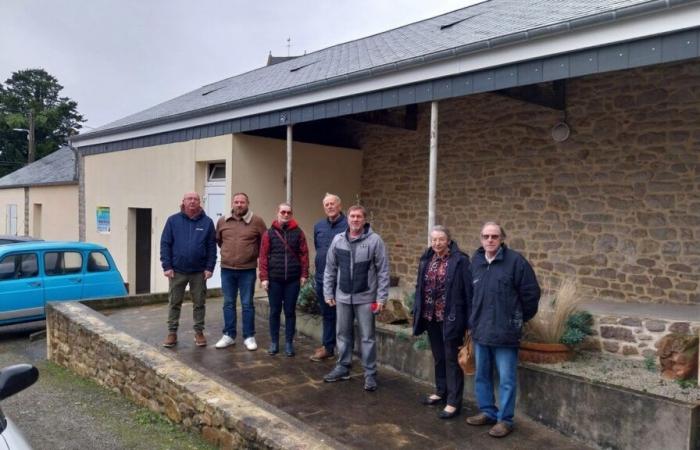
column 489, row 297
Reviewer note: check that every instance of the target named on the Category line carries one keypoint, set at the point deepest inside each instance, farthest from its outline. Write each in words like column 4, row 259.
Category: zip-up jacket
column 188, row 245
column 239, row 239
column 324, row 232
column 506, row 295
column 284, row 262
column 458, row 293
column 357, row 270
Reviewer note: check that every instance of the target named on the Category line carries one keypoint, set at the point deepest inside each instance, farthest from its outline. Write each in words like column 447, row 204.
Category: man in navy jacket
column 506, row 295
column 188, row 255
column 324, row 232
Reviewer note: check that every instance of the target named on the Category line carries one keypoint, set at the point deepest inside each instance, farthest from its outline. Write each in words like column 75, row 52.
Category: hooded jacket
column 188, row 245
column 357, row 270
column 506, row 295
column 284, row 262
column 458, row 293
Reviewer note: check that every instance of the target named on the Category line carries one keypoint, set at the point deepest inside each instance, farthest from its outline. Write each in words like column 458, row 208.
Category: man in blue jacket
column 188, row 255
column 506, row 295
column 324, row 232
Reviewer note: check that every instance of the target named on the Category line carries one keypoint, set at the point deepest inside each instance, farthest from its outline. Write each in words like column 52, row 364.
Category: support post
column 289, row 164
column 432, row 177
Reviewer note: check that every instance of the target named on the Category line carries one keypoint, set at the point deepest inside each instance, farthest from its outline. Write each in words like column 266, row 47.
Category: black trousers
column 449, row 378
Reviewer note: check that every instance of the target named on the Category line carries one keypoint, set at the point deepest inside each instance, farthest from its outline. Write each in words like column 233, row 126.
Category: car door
column 21, row 288
column 63, row 275
column 102, row 279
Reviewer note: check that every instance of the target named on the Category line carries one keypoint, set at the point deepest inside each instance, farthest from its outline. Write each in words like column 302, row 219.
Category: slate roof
column 56, row 168
column 458, row 32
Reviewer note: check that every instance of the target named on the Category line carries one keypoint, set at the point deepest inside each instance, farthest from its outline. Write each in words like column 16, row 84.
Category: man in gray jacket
column 356, row 282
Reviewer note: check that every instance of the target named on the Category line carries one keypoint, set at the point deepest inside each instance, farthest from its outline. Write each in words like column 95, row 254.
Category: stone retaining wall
column 81, row 340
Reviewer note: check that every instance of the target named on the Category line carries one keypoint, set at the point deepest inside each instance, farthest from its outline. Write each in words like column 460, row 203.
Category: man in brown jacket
column 239, row 235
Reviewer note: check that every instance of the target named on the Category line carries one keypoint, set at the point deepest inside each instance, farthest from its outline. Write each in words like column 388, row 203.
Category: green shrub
column 409, row 299
column 306, row 301
column 422, row 342
column 577, row 327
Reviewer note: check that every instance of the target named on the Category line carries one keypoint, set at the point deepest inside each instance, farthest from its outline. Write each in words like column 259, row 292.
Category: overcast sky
column 119, row 57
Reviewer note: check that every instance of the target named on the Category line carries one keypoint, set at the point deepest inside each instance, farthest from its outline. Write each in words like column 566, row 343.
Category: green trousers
column 176, row 293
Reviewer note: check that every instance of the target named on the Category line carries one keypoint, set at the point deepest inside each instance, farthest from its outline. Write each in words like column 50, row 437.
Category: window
column 62, row 263
column 23, row 265
column 11, row 220
column 217, row 172
column 97, row 262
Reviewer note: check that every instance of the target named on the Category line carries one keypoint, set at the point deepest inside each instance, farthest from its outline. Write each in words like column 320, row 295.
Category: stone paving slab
column 389, row 418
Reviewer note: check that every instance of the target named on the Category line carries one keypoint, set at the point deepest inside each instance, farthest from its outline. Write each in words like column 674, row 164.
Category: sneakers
column 170, row 340
column 501, row 429
column 338, row 373
column 370, row 384
column 480, row 419
column 225, row 341
column 250, row 343
column 199, row 339
column 289, row 349
column 320, row 354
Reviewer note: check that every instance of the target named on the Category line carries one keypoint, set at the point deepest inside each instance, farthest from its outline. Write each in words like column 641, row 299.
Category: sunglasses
column 286, row 213
column 486, row 237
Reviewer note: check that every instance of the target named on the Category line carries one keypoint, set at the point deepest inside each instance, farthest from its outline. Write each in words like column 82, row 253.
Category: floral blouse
column 434, row 289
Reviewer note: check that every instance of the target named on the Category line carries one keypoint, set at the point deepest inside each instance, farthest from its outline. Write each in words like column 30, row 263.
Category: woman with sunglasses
column 284, row 267
column 443, row 295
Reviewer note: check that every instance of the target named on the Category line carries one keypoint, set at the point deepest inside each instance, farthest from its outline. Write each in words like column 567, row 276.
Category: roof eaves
column 31, row 185
column 548, row 30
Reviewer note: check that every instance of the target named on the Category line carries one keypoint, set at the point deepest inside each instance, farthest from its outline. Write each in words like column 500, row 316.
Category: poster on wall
column 103, row 220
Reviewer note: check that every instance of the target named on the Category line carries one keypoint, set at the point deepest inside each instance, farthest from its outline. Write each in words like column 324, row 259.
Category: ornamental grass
column 550, row 323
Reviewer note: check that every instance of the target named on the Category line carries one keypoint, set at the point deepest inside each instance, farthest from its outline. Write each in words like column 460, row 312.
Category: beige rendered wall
column 153, row 177
column 259, row 169
column 13, row 196
column 59, row 212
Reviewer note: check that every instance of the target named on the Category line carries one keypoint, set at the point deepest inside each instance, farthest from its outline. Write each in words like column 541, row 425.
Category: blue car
column 34, row 273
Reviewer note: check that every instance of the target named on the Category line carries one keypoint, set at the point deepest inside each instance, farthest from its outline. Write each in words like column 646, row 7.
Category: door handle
column 34, row 283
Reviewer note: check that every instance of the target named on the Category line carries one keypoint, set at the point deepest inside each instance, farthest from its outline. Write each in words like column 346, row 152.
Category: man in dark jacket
column 506, row 295
column 188, row 255
column 324, row 232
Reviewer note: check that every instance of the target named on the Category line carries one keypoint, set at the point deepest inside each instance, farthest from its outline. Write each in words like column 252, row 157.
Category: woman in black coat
column 443, row 296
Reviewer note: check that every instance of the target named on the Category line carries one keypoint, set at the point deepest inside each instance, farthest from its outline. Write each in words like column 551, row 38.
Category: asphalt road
column 63, row 411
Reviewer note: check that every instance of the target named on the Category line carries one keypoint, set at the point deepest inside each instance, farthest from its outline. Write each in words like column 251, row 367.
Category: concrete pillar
column 432, row 176
column 289, row 164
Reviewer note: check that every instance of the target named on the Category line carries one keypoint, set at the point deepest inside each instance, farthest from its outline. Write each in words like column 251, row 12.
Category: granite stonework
column 81, row 340
column 615, row 206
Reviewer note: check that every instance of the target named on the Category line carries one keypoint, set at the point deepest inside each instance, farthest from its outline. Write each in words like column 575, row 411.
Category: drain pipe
column 432, row 177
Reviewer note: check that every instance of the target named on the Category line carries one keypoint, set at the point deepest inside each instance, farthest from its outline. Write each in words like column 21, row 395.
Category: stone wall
column 81, row 340
column 616, row 206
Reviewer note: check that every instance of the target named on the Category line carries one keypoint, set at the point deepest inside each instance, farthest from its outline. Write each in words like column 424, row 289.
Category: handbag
column 465, row 358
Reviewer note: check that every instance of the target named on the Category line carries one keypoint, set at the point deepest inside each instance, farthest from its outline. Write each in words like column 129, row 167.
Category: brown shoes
column 171, row 340
column 320, row 354
column 501, row 429
column 199, row 339
column 481, row 419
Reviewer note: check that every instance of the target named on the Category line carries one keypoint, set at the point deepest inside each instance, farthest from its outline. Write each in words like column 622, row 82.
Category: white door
column 215, row 207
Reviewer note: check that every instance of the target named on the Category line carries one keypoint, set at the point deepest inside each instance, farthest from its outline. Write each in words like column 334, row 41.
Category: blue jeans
column 329, row 316
column 505, row 360
column 283, row 295
column 234, row 281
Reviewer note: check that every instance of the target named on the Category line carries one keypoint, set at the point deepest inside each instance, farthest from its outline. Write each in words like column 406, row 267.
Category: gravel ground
column 631, row 374
column 63, row 411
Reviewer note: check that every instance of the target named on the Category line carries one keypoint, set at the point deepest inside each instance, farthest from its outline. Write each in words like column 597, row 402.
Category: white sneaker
column 250, row 343
column 225, row 341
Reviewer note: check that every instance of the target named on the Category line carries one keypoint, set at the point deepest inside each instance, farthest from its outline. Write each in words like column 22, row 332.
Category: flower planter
column 540, row 353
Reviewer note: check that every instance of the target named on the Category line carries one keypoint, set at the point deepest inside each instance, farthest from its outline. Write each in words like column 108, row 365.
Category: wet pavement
column 390, row 418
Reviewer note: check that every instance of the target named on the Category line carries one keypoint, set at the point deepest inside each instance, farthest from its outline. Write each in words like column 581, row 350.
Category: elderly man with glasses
column 505, row 295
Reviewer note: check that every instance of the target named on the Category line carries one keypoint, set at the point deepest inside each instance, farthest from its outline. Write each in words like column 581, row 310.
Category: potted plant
column 558, row 326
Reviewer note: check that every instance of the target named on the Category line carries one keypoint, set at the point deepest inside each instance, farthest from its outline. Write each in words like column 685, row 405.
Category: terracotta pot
column 539, row 353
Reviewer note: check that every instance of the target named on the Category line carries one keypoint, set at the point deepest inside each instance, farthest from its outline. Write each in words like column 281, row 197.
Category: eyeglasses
column 286, row 213
column 486, row 237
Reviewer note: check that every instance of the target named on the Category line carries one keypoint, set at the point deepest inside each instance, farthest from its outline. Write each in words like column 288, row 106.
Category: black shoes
column 274, row 349
column 289, row 349
column 429, row 400
column 448, row 415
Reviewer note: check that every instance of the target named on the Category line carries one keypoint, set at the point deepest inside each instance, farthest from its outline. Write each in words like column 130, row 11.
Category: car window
column 22, row 265
column 97, row 262
column 62, row 263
